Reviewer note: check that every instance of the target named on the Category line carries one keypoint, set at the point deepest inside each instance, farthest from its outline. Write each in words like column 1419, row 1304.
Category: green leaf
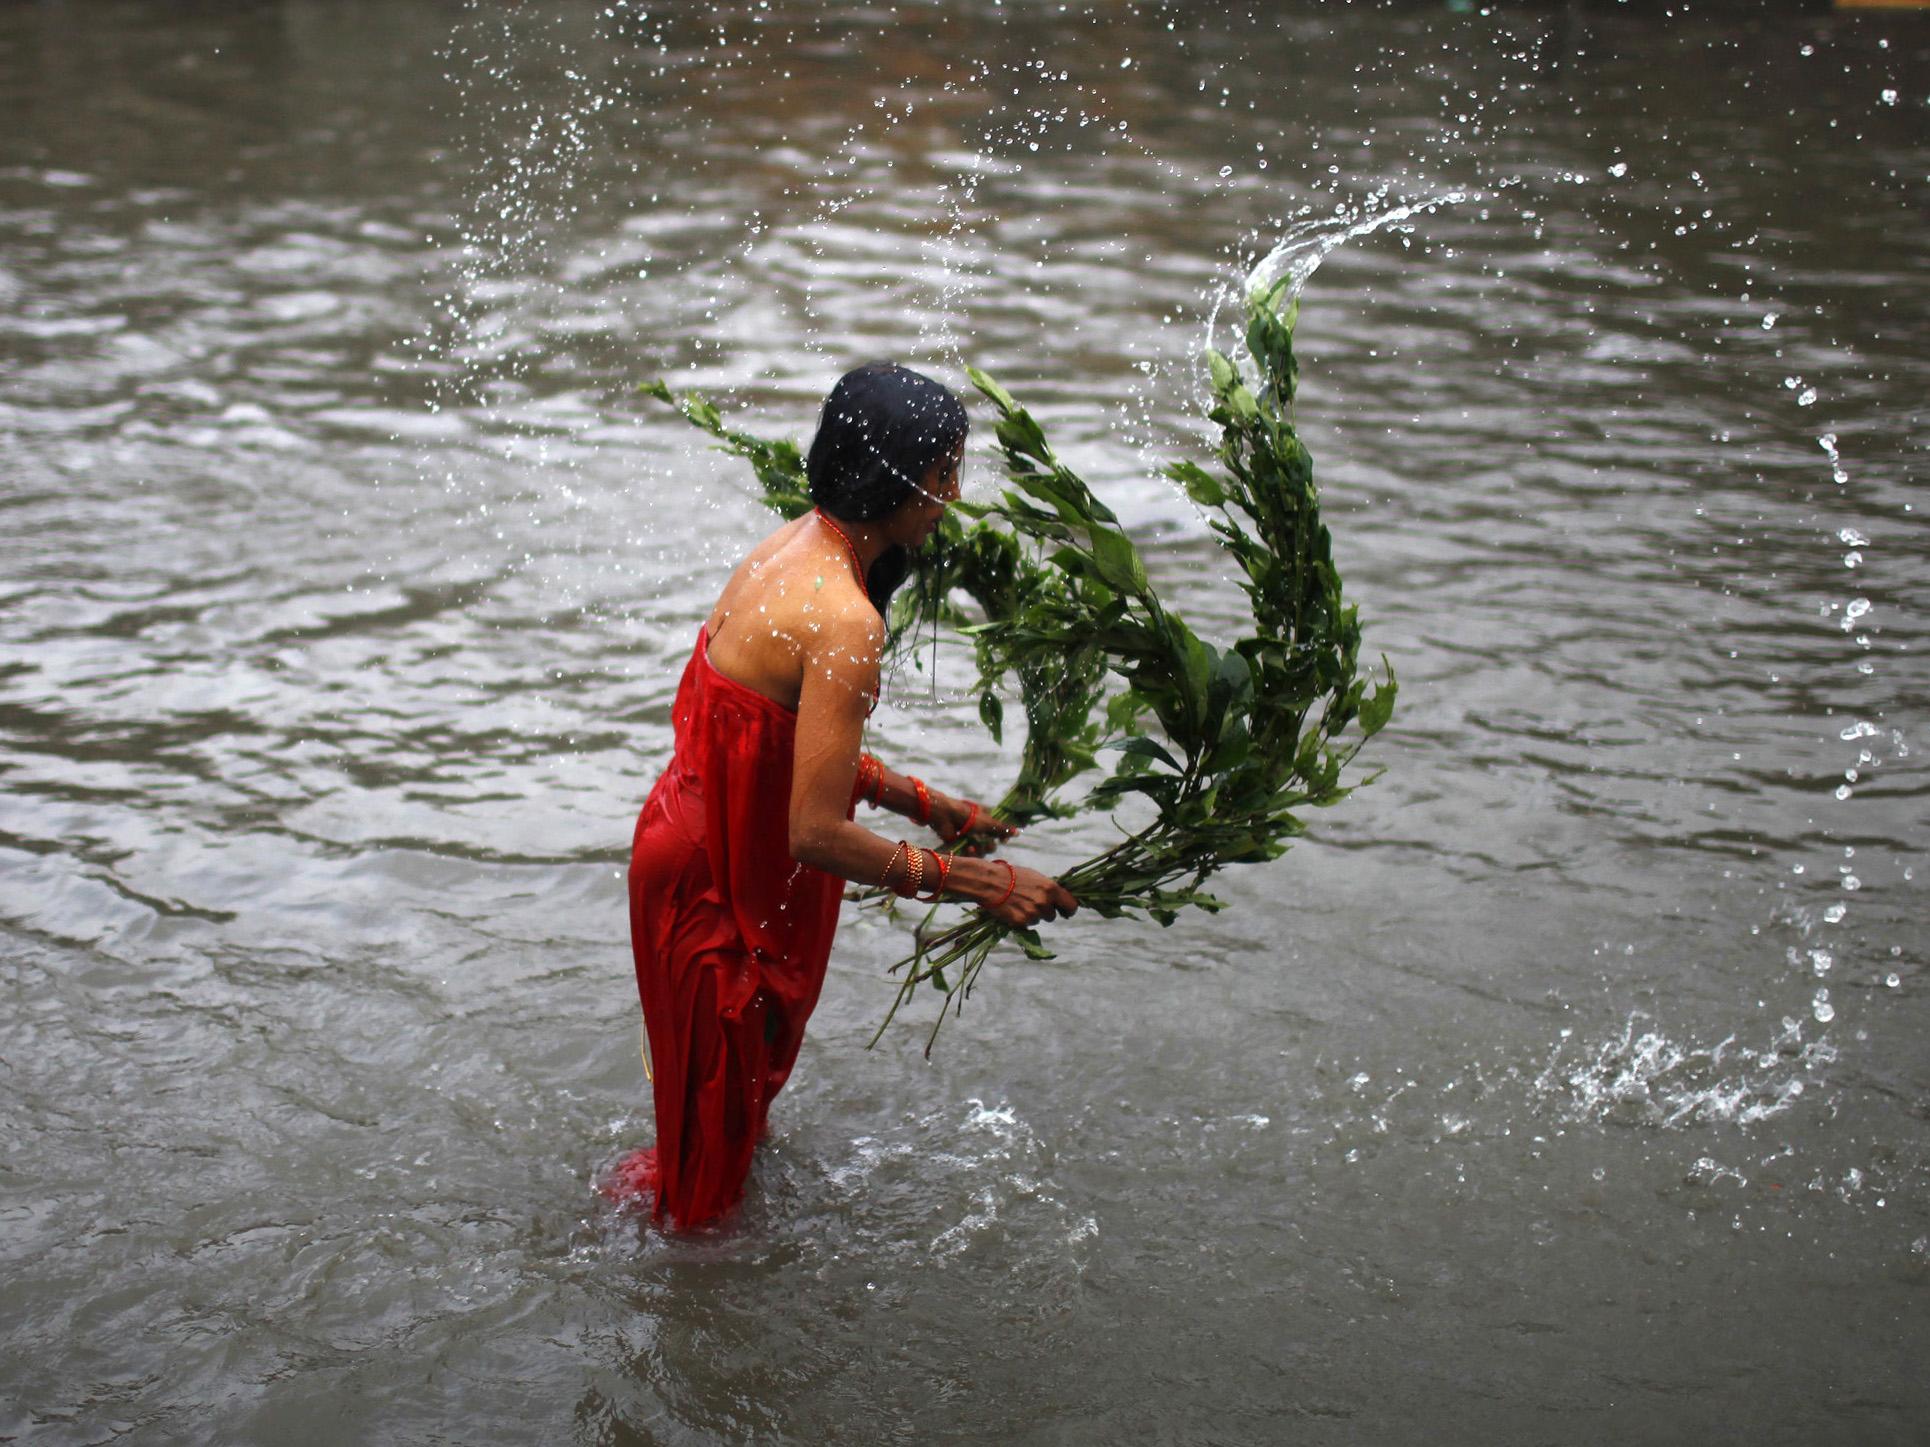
column 999, row 397
column 1033, row 946
column 991, row 712
column 1223, row 372
column 1200, row 485
column 1377, row 709
column 1142, row 747
column 1124, row 708
column 1197, row 659
column 1118, row 561
column 1049, row 489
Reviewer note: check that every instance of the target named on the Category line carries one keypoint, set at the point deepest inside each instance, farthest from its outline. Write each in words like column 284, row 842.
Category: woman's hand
column 1033, row 898
column 970, row 825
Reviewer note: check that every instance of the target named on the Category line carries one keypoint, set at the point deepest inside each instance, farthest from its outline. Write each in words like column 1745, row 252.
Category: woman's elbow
column 811, row 843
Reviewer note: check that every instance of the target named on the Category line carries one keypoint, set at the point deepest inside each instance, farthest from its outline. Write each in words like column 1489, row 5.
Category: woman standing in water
column 743, row 847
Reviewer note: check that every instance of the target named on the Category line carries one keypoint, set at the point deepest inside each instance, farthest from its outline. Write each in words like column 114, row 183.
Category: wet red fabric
column 731, row 938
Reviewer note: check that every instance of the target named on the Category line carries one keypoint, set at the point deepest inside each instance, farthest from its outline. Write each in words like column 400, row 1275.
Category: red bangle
column 1012, row 883
column 877, row 780
column 944, row 867
column 924, row 800
column 971, row 818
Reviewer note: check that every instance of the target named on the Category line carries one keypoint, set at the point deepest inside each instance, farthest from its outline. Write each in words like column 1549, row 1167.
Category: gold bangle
column 884, row 880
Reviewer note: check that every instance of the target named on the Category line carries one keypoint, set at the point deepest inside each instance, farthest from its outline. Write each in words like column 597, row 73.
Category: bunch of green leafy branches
column 1227, row 745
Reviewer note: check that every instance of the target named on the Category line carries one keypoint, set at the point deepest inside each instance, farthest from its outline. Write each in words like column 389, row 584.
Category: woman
column 744, row 845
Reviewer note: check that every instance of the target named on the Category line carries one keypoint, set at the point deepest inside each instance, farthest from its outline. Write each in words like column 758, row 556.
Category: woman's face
column 917, row 517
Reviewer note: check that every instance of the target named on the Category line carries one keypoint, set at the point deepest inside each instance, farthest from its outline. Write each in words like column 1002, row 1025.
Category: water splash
column 986, row 1161
column 1642, row 1077
column 1310, row 241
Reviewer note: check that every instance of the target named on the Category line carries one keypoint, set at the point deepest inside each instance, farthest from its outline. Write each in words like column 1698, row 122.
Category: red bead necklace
column 857, row 571
column 857, row 568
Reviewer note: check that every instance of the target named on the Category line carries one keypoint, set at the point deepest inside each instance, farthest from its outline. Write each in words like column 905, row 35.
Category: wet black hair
column 882, row 429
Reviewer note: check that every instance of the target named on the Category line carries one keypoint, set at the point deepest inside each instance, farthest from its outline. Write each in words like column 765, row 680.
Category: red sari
column 731, row 937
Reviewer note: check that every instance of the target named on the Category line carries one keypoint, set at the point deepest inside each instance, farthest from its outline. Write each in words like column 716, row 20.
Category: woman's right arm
column 840, row 678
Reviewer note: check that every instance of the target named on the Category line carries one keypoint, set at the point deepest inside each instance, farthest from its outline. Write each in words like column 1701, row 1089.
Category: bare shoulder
column 842, row 647
column 848, row 633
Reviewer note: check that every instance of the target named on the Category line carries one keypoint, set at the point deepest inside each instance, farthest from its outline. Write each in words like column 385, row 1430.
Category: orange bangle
column 1012, row 883
column 924, row 800
column 915, row 863
column 971, row 818
column 877, row 779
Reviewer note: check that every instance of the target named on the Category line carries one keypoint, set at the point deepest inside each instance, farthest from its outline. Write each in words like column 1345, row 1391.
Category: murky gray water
column 1569, row 1083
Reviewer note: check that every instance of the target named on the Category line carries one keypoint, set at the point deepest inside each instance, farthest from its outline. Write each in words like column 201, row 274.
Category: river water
column 1568, row 1081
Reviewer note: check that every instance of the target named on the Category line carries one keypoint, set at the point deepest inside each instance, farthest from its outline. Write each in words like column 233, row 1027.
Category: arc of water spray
column 1299, row 253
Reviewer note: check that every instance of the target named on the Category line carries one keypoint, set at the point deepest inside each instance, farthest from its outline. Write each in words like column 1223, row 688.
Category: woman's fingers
column 980, row 820
column 1037, row 899
column 984, row 835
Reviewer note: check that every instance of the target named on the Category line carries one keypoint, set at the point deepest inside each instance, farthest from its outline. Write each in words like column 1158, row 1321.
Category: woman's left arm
column 840, row 679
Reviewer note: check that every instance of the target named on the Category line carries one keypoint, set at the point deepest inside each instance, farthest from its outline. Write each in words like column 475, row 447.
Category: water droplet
column 1888, row 97
column 1892, row 980
column 1821, row 1008
column 1769, row 321
column 1806, row 397
column 1619, row 169
column 1226, row 170
column 1834, row 914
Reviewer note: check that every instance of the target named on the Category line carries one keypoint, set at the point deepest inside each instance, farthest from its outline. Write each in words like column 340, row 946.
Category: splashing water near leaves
column 1298, row 254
